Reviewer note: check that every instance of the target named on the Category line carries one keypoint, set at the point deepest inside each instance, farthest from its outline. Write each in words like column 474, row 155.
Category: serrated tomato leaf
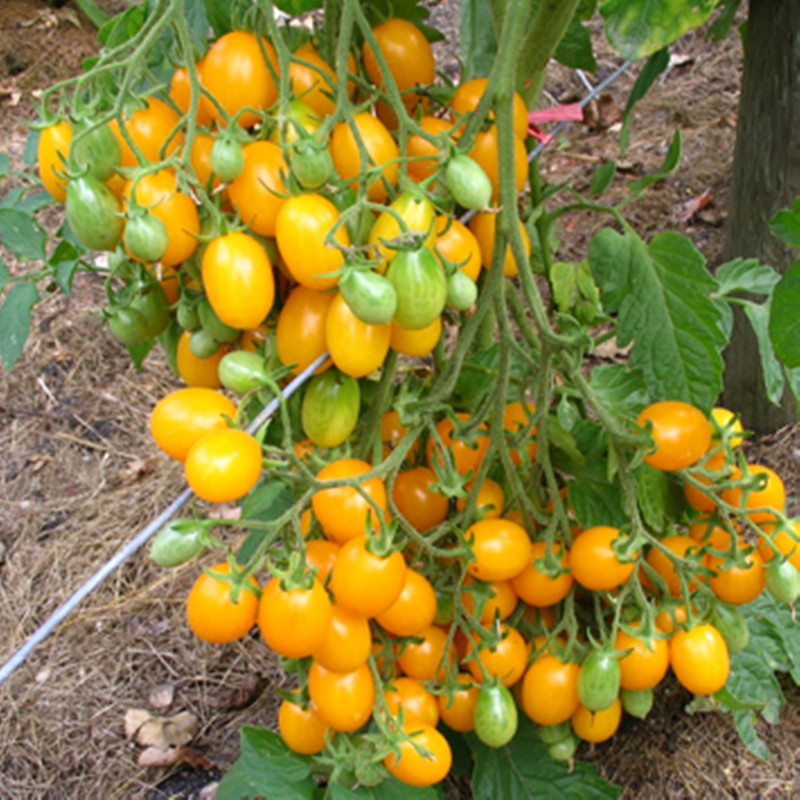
column 15, row 321
column 784, row 320
column 619, row 388
column 638, row 28
column 22, row 235
column 575, row 48
column 759, row 316
column 662, row 294
column 752, row 687
column 522, row 770
column 745, row 275
column 655, row 65
column 786, row 225
column 477, row 38
column 271, row 769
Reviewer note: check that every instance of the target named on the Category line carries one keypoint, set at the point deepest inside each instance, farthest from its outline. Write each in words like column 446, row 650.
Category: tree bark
column 766, row 178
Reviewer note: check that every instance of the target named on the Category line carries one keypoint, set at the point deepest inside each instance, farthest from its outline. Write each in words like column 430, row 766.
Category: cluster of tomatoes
column 464, row 625
column 244, row 216
column 266, row 230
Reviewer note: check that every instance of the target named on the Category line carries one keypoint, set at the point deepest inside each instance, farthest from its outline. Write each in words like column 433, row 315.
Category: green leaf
column 477, row 38
column 786, row 225
column 139, row 353
column 235, row 785
column 561, row 438
column 602, row 177
column 784, row 319
column 480, row 370
column 271, row 769
column 388, row 789
column 774, row 646
column 266, row 502
column 594, row 500
column 638, row 28
column 122, row 27
column 295, row 7
column 619, row 388
column 93, row 12
column 15, row 321
column 655, row 65
column 337, row 791
column 219, row 16
column 4, row 274
column 65, row 261
column 34, row 202
column 575, row 48
column 522, row 770
column 30, row 154
column 22, row 235
column 169, row 341
column 393, row 789
column 12, row 197
column 661, row 293
column 724, row 22
column 759, row 314
column 745, row 275
column 653, row 494
column 5, row 164
column 671, row 160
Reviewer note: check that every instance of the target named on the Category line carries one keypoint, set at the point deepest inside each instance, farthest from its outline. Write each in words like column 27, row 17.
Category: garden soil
column 80, row 476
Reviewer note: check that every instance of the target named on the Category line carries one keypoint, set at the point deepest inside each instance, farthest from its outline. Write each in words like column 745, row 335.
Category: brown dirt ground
column 80, row 476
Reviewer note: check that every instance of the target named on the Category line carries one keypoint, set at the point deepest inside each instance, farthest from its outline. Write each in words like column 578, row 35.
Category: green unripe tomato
column 598, row 680
column 550, row 734
column 203, row 344
column 563, row 750
column 227, row 159
column 128, row 325
column 98, row 150
column 732, row 625
column 496, row 716
column 462, row 291
column 242, row 371
column 187, row 316
column 467, row 182
column 783, row 582
column 637, row 703
column 330, row 408
column 371, row 297
column 151, row 300
column 146, row 237
column 311, row 165
column 94, row 213
column 213, row 324
column 421, row 287
column 177, row 542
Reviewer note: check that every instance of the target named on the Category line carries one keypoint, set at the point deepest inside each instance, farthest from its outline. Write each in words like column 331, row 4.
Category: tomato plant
column 271, row 193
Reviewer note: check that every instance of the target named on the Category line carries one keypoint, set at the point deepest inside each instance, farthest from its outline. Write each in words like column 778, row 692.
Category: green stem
column 546, row 31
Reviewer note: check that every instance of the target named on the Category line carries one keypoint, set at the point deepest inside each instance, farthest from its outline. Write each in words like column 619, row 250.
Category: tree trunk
column 766, row 178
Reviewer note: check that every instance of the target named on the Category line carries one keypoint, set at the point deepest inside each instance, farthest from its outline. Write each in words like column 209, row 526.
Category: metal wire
column 68, row 606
